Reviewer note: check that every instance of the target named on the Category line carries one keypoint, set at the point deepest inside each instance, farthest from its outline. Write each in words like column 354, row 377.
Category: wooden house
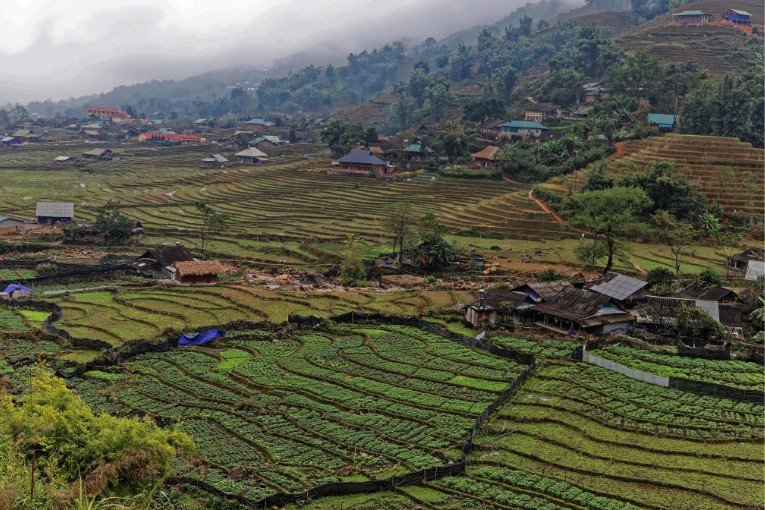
column 251, row 156
column 490, row 128
column 741, row 260
column 214, row 161
column 198, row 271
column 694, row 17
column 487, row 157
column 10, row 225
column 161, row 259
column 541, row 112
column 539, row 292
column 416, row 154
column 25, row 136
column 49, row 212
column 738, row 17
column 64, row 160
column 581, row 310
column 10, row 142
column 362, row 161
column 261, row 143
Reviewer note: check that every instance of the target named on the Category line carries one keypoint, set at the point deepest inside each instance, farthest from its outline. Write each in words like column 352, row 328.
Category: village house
column 741, row 260
column 100, row 154
column 25, row 136
column 738, row 17
column 664, row 121
column 265, row 142
column 541, row 112
column 258, row 126
column 694, row 17
column 10, row 142
column 376, row 150
column 524, row 128
column 49, row 212
column 10, row 226
column 487, row 157
column 416, row 154
column 593, row 91
column 581, row 310
column 362, row 161
column 169, row 137
column 619, row 287
column 581, row 112
column 251, row 156
column 490, row 128
column 214, row 161
column 198, row 271
column 505, row 304
column 539, row 292
column 718, row 302
column 64, row 160
column 108, row 113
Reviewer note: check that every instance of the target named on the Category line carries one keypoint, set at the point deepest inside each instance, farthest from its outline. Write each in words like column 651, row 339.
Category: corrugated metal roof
column 754, row 270
column 742, row 13
column 55, row 209
column 661, row 118
column 620, row 287
column 251, row 153
column 362, row 157
column 523, row 124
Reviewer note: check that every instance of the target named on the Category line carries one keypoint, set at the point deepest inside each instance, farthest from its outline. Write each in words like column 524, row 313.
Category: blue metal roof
column 523, row 124
column 662, row 119
column 689, row 13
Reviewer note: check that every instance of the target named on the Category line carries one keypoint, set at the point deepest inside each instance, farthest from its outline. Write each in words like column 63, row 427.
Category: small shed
column 619, row 287
column 480, row 312
column 487, row 157
column 49, row 212
column 542, row 291
column 198, row 271
column 739, row 17
column 64, row 160
column 162, row 258
column 741, row 260
column 100, row 153
column 664, row 121
column 251, row 156
column 214, row 161
column 10, row 226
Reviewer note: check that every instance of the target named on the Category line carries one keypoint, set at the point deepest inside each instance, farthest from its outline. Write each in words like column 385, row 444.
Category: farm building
column 417, row 153
column 168, row 137
column 487, row 157
column 490, row 128
column 579, row 309
column 265, row 142
column 702, row 292
column 376, row 150
column 107, row 113
column 251, row 156
column 102, row 154
column 198, row 271
column 741, row 260
column 9, row 142
column 660, row 310
column 691, row 17
column 582, row 112
column 10, row 226
column 162, row 259
column 214, row 161
column 362, row 161
column 664, row 121
column 65, row 160
column 90, row 134
column 480, row 312
column 507, row 303
column 593, row 91
column 524, row 128
column 49, row 212
column 541, row 112
column 25, row 136
column 619, row 287
column 739, row 17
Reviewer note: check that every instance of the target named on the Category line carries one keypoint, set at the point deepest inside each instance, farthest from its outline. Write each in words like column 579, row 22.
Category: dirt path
column 541, row 204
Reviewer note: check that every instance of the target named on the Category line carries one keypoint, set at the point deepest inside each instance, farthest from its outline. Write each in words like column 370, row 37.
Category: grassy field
column 353, row 403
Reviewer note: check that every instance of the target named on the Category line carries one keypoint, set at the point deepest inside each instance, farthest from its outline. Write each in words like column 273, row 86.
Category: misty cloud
column 60, row 49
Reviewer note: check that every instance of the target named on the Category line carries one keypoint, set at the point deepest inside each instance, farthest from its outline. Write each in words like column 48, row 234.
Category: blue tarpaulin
column 200, row 338
column 10, row 289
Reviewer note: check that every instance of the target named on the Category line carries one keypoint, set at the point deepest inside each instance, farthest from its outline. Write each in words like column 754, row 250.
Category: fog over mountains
column 55, row 50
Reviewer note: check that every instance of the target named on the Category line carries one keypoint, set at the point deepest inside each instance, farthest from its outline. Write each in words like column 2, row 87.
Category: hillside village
column 519, row 267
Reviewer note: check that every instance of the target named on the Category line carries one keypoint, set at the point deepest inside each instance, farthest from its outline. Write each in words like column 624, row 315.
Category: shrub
column 709, row 277
column 660, row 280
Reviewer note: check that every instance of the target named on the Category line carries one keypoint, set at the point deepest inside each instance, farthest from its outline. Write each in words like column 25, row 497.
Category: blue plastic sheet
column 200, row 338
column 13, row 287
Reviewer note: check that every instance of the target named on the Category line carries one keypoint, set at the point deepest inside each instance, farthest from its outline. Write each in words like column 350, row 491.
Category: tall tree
column 676, row 234
column 213, row 223
column 608, row 213
column 639, row 76
column 110, row 222
column 401, row 221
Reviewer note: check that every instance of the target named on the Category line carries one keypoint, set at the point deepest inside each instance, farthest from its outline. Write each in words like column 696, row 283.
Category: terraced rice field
column 727, row 170
column 719, row 48
column 290, row 201
column 150, row 314
column 352, row 403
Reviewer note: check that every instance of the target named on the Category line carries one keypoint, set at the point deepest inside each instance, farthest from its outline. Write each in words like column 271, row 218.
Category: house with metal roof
column 540, row 112
column 542, row 291
column 214, row 161
column 100, row 153
column 622, row 288
column 694, row 17
column 664, row 121
column 362, row 161
column 738, row 17
column 49, row 212
column 755, row 269
column 741, row 260
column 581, row 310
column 26, row 135
column 251, row 156
column 523, row 128
column 64, row 160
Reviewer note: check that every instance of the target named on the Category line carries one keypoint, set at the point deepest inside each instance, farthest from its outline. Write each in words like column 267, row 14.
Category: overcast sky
column 61, row 48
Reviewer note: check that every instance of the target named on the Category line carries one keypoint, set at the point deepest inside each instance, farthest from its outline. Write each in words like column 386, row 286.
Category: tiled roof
column 362, row 157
